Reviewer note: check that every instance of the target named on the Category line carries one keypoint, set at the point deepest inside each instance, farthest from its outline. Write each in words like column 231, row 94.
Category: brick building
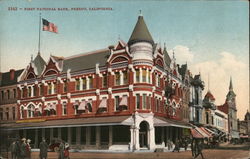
column 127, row 96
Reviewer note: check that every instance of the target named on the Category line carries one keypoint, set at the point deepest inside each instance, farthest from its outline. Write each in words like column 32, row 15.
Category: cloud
column 182, row 54
column 219, row 72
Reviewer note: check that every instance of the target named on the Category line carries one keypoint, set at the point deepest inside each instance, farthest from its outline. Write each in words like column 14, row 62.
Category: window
column 84, row 83
column 14, row 93
column 144, row 75
column 83, row 135
column 117, row 78
column 149, row 77
column 104, row 80
column 23, row 93
column 149, row 102
column 138, row 101
column 77, row 84
column 49, row 88
column 92, row 135
column 65, row 86
column 64, row 108
column 207, row 118
column 13, row 113
column 157, row 80
column 156, row 104
column 144, row 101
column 1, row 113
column 76, row 106
column 90, row 82
column 7, row 113
column 125, row 77
column 8, row 94
column 31, row 111
column 89, row 106
column 29, row 91
column 196, row 97
column 41, row 90
column 34, row 91
column 22, row 113
column 137, row 75
column 55, row 88
column 116, row 103
column 2, row 94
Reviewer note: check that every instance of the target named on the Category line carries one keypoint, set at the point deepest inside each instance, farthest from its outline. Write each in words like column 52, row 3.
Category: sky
column 212, row 37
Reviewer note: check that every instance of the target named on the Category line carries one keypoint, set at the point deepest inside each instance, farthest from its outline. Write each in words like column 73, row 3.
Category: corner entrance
column 143, row 134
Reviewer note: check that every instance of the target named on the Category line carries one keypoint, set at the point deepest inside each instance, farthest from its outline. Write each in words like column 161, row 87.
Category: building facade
column 129, row 96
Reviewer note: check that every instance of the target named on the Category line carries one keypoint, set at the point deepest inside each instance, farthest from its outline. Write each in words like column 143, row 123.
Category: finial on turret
column 140, row 13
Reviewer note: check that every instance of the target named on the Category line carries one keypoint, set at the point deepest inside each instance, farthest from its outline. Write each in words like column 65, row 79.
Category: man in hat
column 43, row 149
column 61, row 150
column 23, row 149
column 28, row 149
column 13, row 150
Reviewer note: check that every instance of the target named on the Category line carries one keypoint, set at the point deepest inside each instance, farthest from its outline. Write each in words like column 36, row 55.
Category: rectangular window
column 159, row 81
column 8, row 94
column 55, row 87
column 13, row 113
column 117, row 78
column 137, row 75
column 1, row 113
column 104, row 80
column 144, row 75
column 144, row 101
column 156, row 107
column 83, row 135
column 138, row 101
column 125, row 77
column 77, row 84
column 49, row 88
column 14, row 93
column 149, row 102
column 29, row 91
column 65, row 86
column 73, row 135
column 41, row 90
column 76, row 106
column 90, row 82
column 116, row 103
column 2, row 94
column 64, row 108
column 149, row 79
column 84, row 83
column 7, row 113
column 34, row 91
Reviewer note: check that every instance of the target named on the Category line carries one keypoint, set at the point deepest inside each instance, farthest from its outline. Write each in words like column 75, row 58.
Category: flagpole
column 39, row 33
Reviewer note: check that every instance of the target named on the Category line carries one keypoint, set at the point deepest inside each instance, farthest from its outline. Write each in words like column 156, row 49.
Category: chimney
column 12, row 74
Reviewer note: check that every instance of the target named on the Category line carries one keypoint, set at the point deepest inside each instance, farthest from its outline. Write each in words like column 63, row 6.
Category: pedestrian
column 23, row 149
column 18, row 148
column 199, row 149
column 13, row 150
column 66, row 151
column 185, row 143
column 28, row 149
column 61, row 150
column 177, row 146
column 169, row 144
column 43, row 146
column 193, row 147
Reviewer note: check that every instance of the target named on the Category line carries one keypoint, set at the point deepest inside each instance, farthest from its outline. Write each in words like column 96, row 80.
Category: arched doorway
column 143, row 134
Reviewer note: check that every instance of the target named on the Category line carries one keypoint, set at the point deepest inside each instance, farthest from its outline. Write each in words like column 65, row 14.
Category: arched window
column 22, row 113
column 31, row 111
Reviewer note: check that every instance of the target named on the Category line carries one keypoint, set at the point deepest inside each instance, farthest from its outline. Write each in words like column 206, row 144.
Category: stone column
column 162, row 134
column 152, row 137
column 98, row 137
column 132, row 138
column 137, row 143
column 110, row 135
column 69, row 135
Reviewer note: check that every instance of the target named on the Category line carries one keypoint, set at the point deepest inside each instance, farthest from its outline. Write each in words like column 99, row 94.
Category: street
column 208, row 154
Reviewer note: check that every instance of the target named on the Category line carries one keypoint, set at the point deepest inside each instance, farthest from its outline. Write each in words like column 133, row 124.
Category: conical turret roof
column 140, row 33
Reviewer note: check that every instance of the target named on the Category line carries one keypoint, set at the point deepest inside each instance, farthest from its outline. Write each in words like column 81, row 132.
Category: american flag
column 47, row 26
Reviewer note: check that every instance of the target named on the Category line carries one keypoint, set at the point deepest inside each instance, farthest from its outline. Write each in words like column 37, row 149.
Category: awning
column 210, row 131
column 196, row 134
column 91, row 121
column 47, row 107
column 82, row 106
column 103, row 103
column 52, row 106
column 39, row 109
column 171, row 122
column 124, row 101
column 203, row 132
column 207, row 132
column 244, row 136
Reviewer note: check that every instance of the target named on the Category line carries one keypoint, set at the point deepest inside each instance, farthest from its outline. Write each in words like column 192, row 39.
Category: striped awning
column 196, row 134
column 103, row 103
column 82, row 106
column 124, row 101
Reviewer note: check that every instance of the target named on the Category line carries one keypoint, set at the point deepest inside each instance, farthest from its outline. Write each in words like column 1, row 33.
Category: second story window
column 54, row 88
column 144, row 101
column 117, row 101
column 13, row 113
column 41, row 90
column 31, row 111
column 77, row 84
column 7, row 113
column 104, row 80
column 65, row 86
column 34, row 91
column 144, row 75
column 2, row 95
column 8, row 94
column 14, row 93
column 117, row 78
column 84, row 83
column 1, row 113
column 29, row 91
column 64, row 108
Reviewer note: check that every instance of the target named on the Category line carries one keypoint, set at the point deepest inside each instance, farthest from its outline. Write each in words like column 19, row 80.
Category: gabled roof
column 39, row 64
column 86, row 61
column 6, row 81
column 140, row 33
column 167, row 59
column 223, row 108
